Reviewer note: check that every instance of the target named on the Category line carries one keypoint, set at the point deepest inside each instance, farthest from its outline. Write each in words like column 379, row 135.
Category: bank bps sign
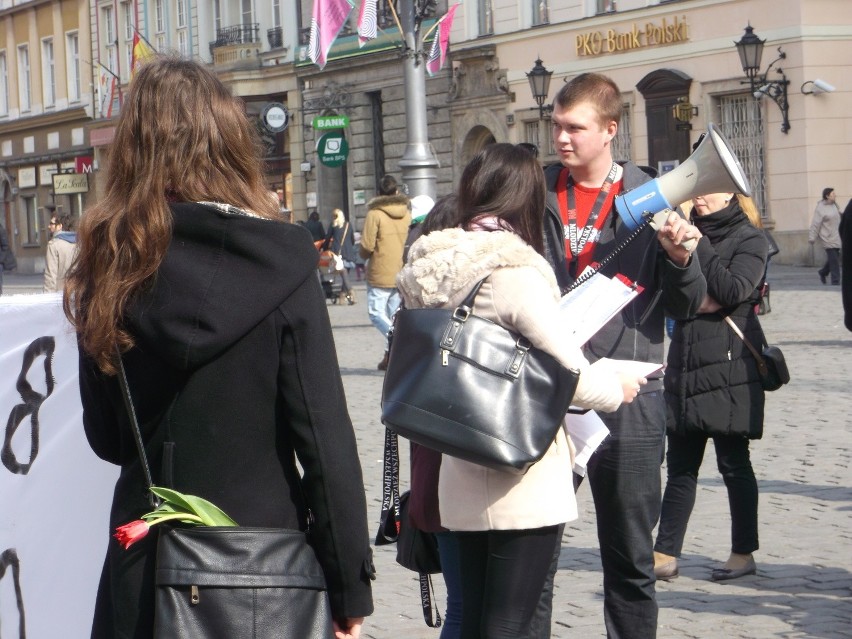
column 332, row 147
column 651, row 34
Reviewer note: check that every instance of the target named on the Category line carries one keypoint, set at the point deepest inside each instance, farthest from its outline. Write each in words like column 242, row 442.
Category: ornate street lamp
column 750, row 49
column 539, row 79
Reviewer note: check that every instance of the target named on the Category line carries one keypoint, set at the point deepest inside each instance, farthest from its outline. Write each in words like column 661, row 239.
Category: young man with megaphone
column 581, row 228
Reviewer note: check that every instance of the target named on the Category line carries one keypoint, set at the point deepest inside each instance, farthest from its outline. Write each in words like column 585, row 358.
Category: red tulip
column 129, row 534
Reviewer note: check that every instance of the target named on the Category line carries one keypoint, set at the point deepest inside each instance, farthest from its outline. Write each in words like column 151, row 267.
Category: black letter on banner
column 32, row 402
column 10, row 558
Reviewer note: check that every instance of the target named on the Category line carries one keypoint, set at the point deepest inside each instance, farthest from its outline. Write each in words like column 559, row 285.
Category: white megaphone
column 712, row 168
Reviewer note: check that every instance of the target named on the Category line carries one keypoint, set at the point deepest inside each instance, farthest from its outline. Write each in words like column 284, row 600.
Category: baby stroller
column 327, row 272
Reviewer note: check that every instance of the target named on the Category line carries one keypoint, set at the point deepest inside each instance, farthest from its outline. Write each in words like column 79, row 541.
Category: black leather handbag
column 222, row 582
column 467, row 387
column 771, row 364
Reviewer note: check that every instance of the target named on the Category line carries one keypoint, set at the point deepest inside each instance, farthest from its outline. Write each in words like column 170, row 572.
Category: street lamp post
column 750, row 49
column 419, row 164
column 539, row 79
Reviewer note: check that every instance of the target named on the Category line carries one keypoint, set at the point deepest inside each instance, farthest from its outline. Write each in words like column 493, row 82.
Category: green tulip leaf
column 210, row 514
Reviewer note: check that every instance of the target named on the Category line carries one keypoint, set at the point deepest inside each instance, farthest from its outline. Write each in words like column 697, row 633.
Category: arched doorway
column 668, row 139
column 476, row 139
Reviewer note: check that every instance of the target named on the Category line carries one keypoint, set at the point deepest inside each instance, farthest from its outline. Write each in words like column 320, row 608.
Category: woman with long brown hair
column 187, row 269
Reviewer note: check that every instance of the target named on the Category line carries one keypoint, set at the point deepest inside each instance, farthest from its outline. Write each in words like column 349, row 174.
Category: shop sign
column 330, row 122
column 332, row 149
column 26, row 177
column 651, row 34
column 45, row 174
column 83, row 164
column 67, row 183
column 275, row 117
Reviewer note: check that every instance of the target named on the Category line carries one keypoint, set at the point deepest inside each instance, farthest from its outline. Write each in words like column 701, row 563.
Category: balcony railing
column 239, row 34
column 275, row 37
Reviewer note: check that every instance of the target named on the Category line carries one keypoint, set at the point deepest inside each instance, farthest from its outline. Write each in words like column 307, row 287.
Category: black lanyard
column 578, row 244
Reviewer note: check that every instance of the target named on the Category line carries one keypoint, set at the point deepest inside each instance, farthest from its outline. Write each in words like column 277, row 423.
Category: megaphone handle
column 587, row 275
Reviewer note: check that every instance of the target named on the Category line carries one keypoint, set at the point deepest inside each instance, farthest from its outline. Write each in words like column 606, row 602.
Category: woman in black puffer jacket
column 712, row 386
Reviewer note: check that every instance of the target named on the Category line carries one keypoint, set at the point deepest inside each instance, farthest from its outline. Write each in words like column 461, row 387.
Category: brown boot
column 341, row 298
column 383, row 365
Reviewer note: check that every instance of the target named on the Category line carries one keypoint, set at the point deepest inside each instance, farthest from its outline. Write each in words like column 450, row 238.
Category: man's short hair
column 596, row 89
column 66, row 220
column 388, row 185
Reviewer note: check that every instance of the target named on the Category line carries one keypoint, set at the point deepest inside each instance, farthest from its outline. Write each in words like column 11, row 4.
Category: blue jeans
column 448, row 549
column 684, row 458
column 381, row 305
column 624, row 475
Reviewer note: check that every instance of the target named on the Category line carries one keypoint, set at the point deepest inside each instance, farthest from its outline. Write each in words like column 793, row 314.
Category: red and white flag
column 438, row 53
column 328, row 19
column 367, row 21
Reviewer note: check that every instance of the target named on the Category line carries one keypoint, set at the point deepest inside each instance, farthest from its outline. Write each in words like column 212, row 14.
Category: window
column 621, row 149
column 127, row 10
column 741, row 123
column 24, row 95
column 4, row 85
column 217, row 15
column 108, row 25
column 486, row 17
column 181, row 13
column 539, row 12
column 276, row 13
column 606, row 6
column 183, row 42
column 160, row 16
column 161, row 43
column 246, row 11
column 532, row 130
column 48, row 73
column 32, row 221
column 72, row 60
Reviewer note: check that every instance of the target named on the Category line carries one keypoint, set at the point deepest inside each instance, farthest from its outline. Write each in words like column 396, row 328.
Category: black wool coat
column 711, row 383
column 234, row 377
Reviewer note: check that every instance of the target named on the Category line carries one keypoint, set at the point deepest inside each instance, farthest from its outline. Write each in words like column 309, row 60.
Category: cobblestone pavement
column 803, row 585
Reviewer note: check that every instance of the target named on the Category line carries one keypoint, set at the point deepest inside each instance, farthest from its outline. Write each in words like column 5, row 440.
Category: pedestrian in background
column 238, row 390
column 382, row 244
column 712, row 385
column 7, row 257
column 624, row 472
column 825, row 227
column 506, row 525
column 61, row 250
column 339, row 240
column 314, row 225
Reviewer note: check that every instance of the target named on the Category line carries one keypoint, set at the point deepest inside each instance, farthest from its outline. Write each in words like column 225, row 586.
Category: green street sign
column 332, row 149
column 324, row 122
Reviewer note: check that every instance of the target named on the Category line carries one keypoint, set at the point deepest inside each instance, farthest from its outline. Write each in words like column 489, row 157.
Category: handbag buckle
column 454, row 328
column 516, row 364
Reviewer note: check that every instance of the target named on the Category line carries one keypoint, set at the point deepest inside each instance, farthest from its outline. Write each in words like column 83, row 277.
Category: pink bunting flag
column 328, row 19
column 367, row 21
column 438, row 53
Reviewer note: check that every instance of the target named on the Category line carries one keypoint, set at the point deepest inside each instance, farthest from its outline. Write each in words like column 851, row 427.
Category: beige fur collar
column 445, row 262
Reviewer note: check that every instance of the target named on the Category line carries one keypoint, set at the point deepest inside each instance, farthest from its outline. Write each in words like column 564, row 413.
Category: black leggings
column 502, row 575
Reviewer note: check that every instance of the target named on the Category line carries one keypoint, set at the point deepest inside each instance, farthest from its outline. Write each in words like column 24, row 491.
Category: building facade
column 46, row 103
column 678, row 69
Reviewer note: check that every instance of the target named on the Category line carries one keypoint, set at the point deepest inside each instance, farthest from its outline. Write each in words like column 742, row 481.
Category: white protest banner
column 54, row 492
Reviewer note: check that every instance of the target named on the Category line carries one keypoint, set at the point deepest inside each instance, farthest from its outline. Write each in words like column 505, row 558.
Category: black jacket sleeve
column 323, row 438
column 734, row 283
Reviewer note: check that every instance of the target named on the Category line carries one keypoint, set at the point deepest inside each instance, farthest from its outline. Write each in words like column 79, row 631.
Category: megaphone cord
column 589, row 273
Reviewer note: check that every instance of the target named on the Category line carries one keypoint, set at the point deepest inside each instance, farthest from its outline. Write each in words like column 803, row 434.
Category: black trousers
column 502, row 576
column 683, row 458
column 832, row 265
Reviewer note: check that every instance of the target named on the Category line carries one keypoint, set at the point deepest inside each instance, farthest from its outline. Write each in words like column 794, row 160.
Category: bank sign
column 332, row 149
column 651, row 34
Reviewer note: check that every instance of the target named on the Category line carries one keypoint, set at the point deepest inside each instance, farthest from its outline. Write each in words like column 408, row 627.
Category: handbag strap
column 137, row 433
column 390, row 478
column 761, row 364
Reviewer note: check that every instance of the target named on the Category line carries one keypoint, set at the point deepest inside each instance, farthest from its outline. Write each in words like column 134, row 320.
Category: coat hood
column 396, row 206
column 66, row 236
column 445, row 263
column 223, row 273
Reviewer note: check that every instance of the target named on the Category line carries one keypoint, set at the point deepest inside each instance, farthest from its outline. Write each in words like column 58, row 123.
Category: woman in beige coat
column 507, row 525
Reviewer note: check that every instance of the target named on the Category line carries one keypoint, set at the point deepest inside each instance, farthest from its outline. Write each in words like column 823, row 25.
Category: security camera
column 761, row 92
column 817, row 86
